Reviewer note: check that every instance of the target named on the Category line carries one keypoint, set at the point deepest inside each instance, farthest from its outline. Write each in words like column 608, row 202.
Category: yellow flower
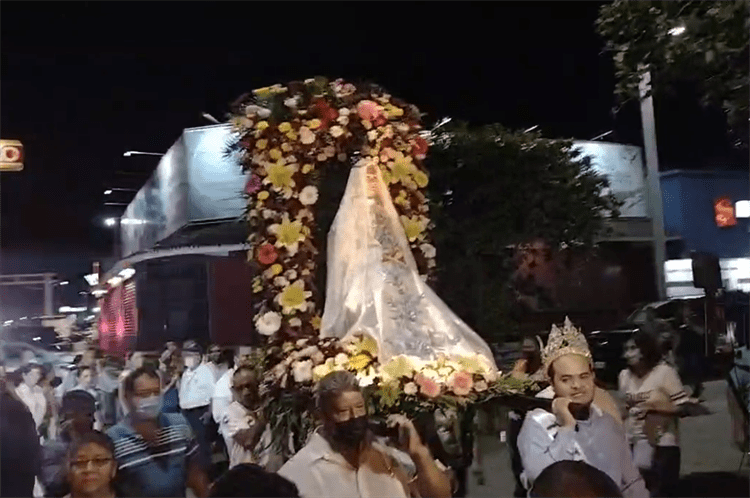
column 279, row 175
column 262, row 125
column 276, row 269
column 316, row 322
column 261, row 144
column 294, row 297
column 285, row 127
column 389, row 394
column 413, row 227
column 393, row 111
column 307, row 168
column 288, row 234
column 386, row 177
column 400, row 172
column 314, row 124
column 401, row 199
column 292, row 135
column 262, row 195
column 263, row 92
column 257, row 285
column 287, row 147
column 360, row 362
column 421, row 178
column 275, row 154
column 399, row 367
column 368, row 345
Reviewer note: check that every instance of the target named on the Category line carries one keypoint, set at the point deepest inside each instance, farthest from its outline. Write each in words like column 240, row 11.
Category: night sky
column 84, row 82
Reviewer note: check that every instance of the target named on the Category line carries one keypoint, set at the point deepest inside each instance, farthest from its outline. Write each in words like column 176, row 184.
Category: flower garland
column 286, row 134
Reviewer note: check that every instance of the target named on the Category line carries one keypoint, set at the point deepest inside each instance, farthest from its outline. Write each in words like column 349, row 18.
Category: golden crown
column 563, row 341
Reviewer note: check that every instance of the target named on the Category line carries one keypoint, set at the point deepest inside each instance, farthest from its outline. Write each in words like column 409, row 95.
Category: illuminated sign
column 724, row 213
column 11, row 155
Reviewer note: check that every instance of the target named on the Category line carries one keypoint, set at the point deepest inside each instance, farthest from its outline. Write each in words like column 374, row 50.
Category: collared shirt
column 218, row 370
column 661, row 380
column 222, row 396
column 319, row 471
column 34, row 399
column 598, row 441
column 160, row 470
column 197, row 387
column 236, row 419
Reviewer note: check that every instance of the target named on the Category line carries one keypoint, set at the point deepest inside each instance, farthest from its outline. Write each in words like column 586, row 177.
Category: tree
column 704, row 44
column 493, row 190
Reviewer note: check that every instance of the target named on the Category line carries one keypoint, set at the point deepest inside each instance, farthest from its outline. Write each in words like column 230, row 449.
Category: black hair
column 31, row 366
column 573, row 479
column 148, row 370
column 648, row 345
column 92, row 437
column 78, row 400
column 247, row 480
column 551, row 369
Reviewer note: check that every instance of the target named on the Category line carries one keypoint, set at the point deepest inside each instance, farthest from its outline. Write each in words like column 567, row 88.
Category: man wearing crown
column 576, row 429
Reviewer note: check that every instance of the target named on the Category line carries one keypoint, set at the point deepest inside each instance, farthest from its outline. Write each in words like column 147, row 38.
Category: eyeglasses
column 84, row 464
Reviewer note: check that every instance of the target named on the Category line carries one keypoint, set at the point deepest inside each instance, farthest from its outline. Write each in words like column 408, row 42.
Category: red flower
column 325, row 112
column 419, row 147
column 267, row 254
column 253, row 184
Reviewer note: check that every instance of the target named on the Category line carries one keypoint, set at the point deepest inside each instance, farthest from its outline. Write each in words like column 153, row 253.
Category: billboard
column 194, row 181
column 624, row 168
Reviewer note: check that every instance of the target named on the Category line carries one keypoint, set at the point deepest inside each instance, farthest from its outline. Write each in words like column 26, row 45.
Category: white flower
column 268, row 214
column 303, row 371
column 306, row 136
column 301, row 342
column 295, row 322
column 336, row 131
column 366, row 378
column 480, row 386
column 344, row 111
column 431, row 374
column 428, row 250
column 318, row 358
column 343, row 120
column 292, row 102
column 372, row 135
column 278, row 370
column 341, row 359
column 291, row 275
column 280, row 282
column 431, row 263
column 309, row 195
column 445, row 371
column 268, row 323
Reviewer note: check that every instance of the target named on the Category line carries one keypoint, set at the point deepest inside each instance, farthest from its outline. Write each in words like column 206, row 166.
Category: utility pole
column 656, row 208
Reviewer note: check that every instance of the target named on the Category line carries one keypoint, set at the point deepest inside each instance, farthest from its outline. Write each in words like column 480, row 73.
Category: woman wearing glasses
column 92, row 467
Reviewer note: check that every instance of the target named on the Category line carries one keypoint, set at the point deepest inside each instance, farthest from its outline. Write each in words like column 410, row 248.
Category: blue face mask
column 149, row 408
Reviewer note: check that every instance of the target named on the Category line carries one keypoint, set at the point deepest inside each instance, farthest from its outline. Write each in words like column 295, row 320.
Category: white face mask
column 191, row 362
column 149, row 408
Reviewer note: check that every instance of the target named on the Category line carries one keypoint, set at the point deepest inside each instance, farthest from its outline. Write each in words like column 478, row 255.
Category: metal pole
column 48, row 295
column 656, row 207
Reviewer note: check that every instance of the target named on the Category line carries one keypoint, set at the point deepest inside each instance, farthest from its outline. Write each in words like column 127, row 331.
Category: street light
column 64, row 282
column 110, row 190
column 138, row 153
column 110, row 222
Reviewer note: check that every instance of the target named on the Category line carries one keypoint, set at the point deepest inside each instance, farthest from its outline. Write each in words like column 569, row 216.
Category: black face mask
column 350, row 433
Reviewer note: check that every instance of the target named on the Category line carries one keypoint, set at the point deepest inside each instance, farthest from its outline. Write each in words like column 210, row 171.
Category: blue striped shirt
column 159, row 470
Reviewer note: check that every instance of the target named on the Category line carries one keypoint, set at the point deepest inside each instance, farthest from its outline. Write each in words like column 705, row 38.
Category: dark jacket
column 20, row 449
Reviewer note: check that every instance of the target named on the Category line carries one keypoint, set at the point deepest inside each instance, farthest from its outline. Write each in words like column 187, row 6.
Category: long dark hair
column 649, row 347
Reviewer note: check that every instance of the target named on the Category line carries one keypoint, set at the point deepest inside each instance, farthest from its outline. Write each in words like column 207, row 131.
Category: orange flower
column 461, row 383
column 419, row 147
column 267, row 254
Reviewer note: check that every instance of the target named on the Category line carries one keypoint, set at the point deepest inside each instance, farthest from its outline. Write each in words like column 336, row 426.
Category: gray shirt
column 598, row 441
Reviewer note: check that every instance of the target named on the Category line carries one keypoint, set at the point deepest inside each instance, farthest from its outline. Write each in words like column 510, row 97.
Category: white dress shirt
column 218, row 370
column 222, row 396
column 196, row 388
column 33, row 398
column 238, row 418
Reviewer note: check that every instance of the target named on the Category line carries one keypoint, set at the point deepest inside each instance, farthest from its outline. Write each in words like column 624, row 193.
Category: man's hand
column 561, row 409
column 408, row 439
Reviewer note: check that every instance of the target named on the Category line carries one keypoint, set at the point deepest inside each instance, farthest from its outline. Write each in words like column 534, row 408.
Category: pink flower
column 428, row 387
column 461, row 383
column 369, row 111
column 253, row 185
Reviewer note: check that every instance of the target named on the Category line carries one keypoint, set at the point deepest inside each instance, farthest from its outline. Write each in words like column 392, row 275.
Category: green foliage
column 711, row 52
column 493, row 189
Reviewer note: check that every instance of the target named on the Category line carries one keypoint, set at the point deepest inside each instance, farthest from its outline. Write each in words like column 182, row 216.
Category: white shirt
column 196, row 388
column 33, row 398
column 218, row 370
column 661, row 382
column 222, row 397
column 238, row 418
column 319, row 471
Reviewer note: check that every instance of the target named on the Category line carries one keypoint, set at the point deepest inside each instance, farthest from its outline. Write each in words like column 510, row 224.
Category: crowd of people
column 188, row 420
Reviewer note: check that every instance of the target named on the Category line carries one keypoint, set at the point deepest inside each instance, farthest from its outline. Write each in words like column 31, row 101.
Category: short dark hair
column 648, row 345
column 332, row 386
column 148, row 370
column 31, row 366
column 92, row 437
column 247, row 480
column 574, row 479
column 83, row 368
column 78, row 400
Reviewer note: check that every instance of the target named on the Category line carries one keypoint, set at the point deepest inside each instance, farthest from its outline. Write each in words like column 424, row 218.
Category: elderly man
column 342, row 460
column 156, row 452
column 576, row 429
column 222, row 396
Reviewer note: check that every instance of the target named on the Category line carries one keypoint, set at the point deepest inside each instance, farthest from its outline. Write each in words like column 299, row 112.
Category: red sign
column 724, row 213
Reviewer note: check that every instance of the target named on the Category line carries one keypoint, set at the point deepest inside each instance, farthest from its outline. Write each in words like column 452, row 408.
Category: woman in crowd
column 653, row 394
column 92, row 468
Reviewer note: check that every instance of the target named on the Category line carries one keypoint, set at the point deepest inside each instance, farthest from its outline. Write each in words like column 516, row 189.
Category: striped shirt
column 160, row 470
